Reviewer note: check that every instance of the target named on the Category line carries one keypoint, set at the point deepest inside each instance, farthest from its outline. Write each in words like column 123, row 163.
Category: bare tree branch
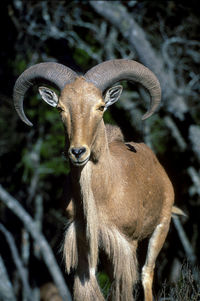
column 46, row 251
column 184, row 240
column 6, row 289
column 118, row 16
column 34, row 157
column 17, row 261
column 194, row 135
column 176, row 133
column 25, row 251
column 38, row 220
column 195, row 179
column 25, row 255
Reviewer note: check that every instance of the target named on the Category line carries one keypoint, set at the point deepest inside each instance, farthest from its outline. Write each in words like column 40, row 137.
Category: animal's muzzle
column 78, row 152
column 79, row 155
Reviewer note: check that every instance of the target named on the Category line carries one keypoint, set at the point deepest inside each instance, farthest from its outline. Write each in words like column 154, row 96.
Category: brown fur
column 122, row 255
column 120, row 192
column 49, row 292
column 120, row 196
column 86, row 288
column 90, row 214
column 70, row 250
column 113, row 133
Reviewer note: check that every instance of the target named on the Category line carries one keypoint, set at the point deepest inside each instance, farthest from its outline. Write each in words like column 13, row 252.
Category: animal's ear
column 49, row 96
column 112, row 95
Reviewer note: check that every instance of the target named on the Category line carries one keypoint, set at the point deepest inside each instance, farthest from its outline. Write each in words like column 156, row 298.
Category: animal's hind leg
column 155, row 244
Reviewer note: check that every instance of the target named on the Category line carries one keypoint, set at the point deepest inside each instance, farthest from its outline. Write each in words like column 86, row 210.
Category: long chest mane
column 99, row 235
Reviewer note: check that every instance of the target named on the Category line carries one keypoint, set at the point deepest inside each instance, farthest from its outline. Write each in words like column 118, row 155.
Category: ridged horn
column 108, row 73
column 52, row 73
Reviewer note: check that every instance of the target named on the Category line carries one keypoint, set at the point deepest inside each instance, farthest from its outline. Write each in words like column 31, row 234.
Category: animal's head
column 84, row 99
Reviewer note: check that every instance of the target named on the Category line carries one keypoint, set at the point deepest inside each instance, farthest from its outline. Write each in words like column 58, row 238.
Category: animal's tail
column 177, row 211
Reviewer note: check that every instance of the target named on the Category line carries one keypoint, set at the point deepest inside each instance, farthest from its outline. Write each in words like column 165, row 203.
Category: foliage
column 186, row 288
column 104, row 282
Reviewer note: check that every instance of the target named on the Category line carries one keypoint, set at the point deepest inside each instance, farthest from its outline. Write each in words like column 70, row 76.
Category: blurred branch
column 194, row 136
column 25, row 247
column 38, row 220
column 34, row 157
column 16, row 258
column 175, row 132
column 25, row 254
column 38, row 212
column 118, row 16
column 177, row 40
column 195, row 177
column 184, row 240
column 59, row 25
column 46, row 251
column 6, row 288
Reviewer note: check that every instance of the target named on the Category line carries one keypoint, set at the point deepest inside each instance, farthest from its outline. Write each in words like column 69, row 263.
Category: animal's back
column 144, row 188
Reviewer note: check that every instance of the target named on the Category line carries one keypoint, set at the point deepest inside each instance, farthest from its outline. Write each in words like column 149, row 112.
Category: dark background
column 33, row 170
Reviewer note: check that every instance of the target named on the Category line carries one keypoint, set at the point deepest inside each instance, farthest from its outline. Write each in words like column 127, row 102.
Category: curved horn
column 55, row 74
column 107, row 73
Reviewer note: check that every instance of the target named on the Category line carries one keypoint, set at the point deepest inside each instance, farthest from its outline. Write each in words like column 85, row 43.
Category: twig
column 6, row 288
column 25, row 247
column 194, row 136
column 184, row 240
column 195, row 178
column 18, row 262
column 34, row 157
column 38, row 220
column 25, row 254
column 175, row 40
column 46, row 251
column 175, row 132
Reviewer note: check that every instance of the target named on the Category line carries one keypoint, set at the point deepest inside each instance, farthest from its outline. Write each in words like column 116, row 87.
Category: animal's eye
column 60, row 109
column 101, row 108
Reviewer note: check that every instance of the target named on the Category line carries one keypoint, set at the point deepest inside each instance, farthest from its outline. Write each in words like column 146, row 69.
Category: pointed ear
column 49, row 96
column 112, row 95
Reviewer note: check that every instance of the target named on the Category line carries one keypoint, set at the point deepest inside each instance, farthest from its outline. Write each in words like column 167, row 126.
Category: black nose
column 78, row 152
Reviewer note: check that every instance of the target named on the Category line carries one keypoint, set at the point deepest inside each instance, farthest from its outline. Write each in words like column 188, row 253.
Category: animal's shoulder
column 114, row 133
column 118, row 144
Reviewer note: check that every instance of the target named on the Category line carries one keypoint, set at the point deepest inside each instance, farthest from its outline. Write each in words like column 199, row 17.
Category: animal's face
column 81, row 106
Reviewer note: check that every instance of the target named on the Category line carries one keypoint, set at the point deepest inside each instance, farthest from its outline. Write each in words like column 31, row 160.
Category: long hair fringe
column 90, row 213
column 121, row 252
column 70, row 250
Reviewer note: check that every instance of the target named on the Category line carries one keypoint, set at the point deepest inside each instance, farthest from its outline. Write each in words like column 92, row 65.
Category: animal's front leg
column 121, row 266
column 70, row 212
column 86, row 287
column 155, row 244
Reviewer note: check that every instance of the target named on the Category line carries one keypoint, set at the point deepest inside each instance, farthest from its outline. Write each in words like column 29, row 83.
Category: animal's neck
column 83, row 194
column 102, row 171
column 100, row 151
column 99, row 168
